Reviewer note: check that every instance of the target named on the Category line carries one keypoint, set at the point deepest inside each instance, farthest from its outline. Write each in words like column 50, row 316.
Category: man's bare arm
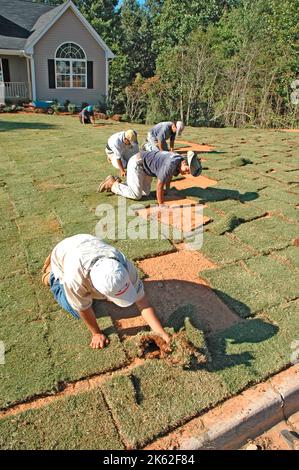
column 167, row 184
column 121, row 167
column 171, row 144
column 99, row 340
column 160, row 192
column 160, row 145
column 149, row 315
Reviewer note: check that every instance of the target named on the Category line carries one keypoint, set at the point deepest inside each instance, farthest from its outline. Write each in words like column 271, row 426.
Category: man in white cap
column 160, row 133
column 82, row 268
column 120, row 148
column 146, row 165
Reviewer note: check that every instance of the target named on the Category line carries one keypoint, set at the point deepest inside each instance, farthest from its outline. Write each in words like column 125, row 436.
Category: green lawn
column 50, row 167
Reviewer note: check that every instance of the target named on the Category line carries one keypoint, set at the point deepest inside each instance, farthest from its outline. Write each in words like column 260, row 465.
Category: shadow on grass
column 6, row 126
column 217, row 194
column 251, row 331
column 176, row 300
column 210, row 194
column 200, row 152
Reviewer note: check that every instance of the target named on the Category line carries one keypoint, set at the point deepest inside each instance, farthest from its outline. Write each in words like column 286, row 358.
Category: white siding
column 69, row 29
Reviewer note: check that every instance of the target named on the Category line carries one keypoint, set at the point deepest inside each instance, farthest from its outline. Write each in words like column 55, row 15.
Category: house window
column 1, row 72
column 70, row 66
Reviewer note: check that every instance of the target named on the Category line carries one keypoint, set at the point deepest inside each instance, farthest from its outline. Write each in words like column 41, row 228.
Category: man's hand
column 166, row 337
column 123, row 173
column 99, row 341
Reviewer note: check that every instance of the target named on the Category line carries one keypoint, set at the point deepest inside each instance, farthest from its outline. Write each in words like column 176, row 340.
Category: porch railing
column 16, row 90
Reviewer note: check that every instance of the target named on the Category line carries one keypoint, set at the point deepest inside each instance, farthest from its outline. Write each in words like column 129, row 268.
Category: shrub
column 101, row 106
column 7, row 109
column 125, row 118
column 71, row 108
column 66, row 104
column 57, row 108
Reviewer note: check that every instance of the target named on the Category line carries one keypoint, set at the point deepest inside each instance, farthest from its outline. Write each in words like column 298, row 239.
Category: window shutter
column 51, row 73
column 89, row 74
column 5, row 69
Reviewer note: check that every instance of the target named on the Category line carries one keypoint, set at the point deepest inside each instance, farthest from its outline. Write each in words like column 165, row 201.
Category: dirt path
column 194, row 146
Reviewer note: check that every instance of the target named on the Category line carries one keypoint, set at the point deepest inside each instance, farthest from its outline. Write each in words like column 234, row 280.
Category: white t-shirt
column 71, row 261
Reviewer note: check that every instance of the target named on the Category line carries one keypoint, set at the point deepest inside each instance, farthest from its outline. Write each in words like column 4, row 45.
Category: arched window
column 70, row 66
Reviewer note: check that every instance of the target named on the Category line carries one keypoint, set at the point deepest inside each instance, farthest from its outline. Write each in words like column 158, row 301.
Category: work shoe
column 107, row 184
column 46, row 271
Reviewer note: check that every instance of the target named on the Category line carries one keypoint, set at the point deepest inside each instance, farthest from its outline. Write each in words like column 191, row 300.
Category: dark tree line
column 209, row 62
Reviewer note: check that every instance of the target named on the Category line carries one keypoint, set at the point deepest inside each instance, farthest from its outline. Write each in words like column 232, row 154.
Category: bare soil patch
column 193, row 181
column 182, row 214
column 194, row 146
column 173, row 282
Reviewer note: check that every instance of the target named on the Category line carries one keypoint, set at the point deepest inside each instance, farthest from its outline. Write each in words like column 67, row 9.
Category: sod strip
column 71, row 356
column 276, row 276
column 28, row 367
column 78, row 422
column 224, row 249
column 156, row 398
column 267, row 234
column 251, row 351
column 40, row 356
column 241, row 290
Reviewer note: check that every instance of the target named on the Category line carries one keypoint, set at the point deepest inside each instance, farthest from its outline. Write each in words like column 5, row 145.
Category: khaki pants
column 138, row 182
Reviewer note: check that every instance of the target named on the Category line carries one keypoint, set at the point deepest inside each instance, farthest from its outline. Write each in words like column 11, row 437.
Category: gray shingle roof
column 21, row 20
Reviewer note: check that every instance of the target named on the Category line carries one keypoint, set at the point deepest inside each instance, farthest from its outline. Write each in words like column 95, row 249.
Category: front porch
column 15, row 91
column 15, row 79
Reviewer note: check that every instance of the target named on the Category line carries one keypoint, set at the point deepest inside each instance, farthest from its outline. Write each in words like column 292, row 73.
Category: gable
column 67, row 10
column 68, row 28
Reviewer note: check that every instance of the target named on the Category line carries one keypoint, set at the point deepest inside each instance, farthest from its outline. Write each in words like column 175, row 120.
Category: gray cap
column 194, row 163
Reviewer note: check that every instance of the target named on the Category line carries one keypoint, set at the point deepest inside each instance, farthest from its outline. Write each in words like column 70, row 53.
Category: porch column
column 29, row 78
column 33, row 78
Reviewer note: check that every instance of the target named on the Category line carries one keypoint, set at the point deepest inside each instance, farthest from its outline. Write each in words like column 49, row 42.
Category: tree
column 103, row 15
column 179, row 18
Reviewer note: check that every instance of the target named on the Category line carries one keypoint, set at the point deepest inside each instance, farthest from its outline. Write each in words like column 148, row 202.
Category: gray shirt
column 161, row 132
column 162, row 165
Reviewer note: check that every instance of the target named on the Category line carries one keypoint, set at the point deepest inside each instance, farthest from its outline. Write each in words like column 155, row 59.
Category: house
column 49, row 53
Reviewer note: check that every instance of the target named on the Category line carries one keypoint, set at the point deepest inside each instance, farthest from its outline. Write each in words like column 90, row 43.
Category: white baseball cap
column 179, row 127
column 110, row 278
column 194, row 163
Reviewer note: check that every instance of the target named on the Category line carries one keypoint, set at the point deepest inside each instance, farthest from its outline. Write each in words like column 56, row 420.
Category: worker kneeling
column 146, row 165
column 120, row 147
column 82, row 268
